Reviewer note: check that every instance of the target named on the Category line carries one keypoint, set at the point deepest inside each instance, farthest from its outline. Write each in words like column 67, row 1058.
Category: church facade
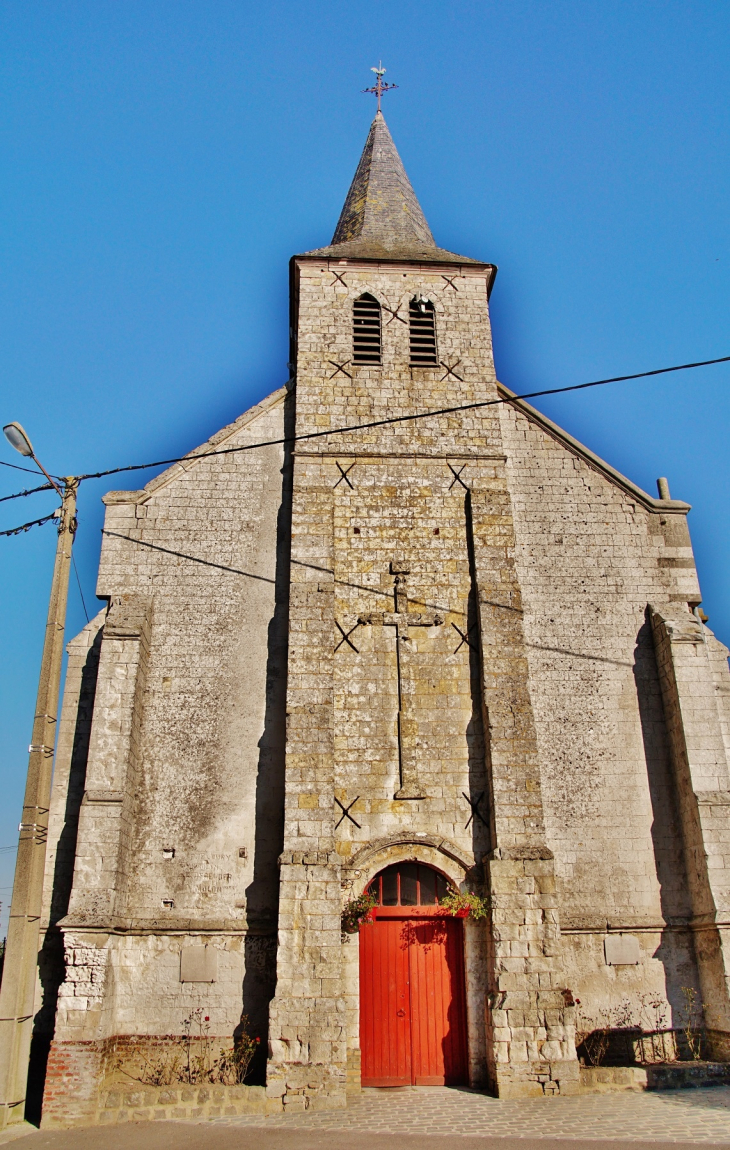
column 453, row 652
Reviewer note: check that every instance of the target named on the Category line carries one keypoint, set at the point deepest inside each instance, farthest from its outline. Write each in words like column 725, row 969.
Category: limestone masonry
column 466, row 632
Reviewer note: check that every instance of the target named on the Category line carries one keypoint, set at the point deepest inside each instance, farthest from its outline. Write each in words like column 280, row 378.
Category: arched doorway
column 412, row 993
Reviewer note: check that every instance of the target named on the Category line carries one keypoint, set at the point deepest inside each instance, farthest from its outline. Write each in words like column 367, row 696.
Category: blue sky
column 162, row 159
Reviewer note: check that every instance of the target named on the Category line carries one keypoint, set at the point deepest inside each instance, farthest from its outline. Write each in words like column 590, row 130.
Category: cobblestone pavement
column 699, row 1115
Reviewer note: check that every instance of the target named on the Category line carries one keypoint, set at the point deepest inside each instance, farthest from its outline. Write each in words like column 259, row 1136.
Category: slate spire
column 381, row 204
column 381, row 218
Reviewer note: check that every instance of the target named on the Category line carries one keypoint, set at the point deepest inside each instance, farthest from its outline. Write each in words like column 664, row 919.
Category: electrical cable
column 373, row 423
column 17, row 467
column 404, row 418
column 81, row 593
column 30, row 491
column 27, row 526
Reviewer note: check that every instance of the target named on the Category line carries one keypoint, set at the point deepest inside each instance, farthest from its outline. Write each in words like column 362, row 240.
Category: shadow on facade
column 676, row 949
column 479, row 796
column 455, row 1043
column 51, row 966
column 262, row 893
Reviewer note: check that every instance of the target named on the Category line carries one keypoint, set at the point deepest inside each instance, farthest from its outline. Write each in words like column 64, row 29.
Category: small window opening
column 366, row 329
column 422, row 318
column 408, row 884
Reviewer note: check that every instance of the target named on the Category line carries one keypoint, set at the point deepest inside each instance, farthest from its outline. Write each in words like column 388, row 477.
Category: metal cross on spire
column 379, row 87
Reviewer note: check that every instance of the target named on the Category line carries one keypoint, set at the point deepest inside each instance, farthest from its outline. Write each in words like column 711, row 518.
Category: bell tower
column 410, row 733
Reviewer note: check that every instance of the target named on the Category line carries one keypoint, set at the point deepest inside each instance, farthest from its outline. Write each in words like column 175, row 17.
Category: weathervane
column 379, row 86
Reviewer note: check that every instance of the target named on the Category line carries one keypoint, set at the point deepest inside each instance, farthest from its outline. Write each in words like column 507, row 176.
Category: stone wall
column 180, row 824
column 136, row 1103
column 592, row 553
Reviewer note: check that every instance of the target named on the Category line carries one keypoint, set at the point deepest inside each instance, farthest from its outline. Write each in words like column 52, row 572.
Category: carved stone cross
column 402, row 619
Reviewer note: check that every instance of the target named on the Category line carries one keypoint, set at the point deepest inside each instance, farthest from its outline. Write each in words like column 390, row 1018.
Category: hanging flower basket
column 358, row 912
column 465, row 904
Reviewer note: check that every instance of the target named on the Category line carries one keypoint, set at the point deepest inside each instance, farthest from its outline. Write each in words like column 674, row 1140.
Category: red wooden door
column 412, row 999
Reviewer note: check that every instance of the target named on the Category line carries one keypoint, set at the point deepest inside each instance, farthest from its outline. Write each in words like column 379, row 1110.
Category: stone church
column 455, row 652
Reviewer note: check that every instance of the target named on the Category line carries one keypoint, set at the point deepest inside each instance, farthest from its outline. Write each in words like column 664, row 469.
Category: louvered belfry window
column 366, row 329
column 423, row 332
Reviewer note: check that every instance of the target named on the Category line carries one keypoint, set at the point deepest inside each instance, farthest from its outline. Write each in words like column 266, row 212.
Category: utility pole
column 17, row 996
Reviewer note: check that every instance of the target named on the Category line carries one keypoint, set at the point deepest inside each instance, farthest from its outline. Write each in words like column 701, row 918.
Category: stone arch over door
column 454, row 864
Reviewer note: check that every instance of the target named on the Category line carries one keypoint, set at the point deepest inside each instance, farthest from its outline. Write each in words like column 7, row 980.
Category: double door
column 412, row 1000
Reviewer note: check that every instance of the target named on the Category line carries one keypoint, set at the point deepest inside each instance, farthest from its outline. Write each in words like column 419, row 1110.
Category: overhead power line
column 30, row 491
column 81, row 592
column 404, row 418
column 17, row 467
column 372, row 424
column 27, row 526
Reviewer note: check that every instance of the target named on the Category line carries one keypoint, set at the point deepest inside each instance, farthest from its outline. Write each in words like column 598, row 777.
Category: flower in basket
column 465, row 904
column 358, row 912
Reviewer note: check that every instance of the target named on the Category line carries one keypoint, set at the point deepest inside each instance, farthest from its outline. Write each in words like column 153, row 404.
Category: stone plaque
column 621, row 950
column 198, row 964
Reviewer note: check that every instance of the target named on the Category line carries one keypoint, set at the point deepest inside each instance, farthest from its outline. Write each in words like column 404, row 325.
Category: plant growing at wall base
column 465, row 904
column 193, row 1060
column 692, row 1028
column 358, row 912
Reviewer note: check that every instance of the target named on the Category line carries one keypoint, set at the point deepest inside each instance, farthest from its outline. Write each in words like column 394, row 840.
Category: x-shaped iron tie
column 465, row 638
column 346, row 812
column 451, row 371
column 337, row 277
column 344, row 474
column 475, row 809
column 346, row 636
column 457, row 476
column 449, row 282
column 393, row 315
column 340, row 367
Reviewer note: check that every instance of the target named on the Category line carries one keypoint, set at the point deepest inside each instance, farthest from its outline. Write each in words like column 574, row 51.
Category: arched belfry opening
column 366, row 330
column 413, row 1026
column 422, row 331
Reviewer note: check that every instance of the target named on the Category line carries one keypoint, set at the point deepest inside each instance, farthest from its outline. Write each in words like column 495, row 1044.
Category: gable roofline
column 201, row 452
column 657, row 506
column 360, row 249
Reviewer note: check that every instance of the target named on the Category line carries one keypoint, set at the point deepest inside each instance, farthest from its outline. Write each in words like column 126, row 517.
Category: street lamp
column 17, row 437
column 17, row 994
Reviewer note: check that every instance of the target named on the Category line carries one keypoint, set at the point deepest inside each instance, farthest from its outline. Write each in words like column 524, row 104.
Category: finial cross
column 379, row 87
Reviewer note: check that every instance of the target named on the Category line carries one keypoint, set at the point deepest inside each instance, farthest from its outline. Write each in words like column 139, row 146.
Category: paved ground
column 405, row 1119
column 679, row 1115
